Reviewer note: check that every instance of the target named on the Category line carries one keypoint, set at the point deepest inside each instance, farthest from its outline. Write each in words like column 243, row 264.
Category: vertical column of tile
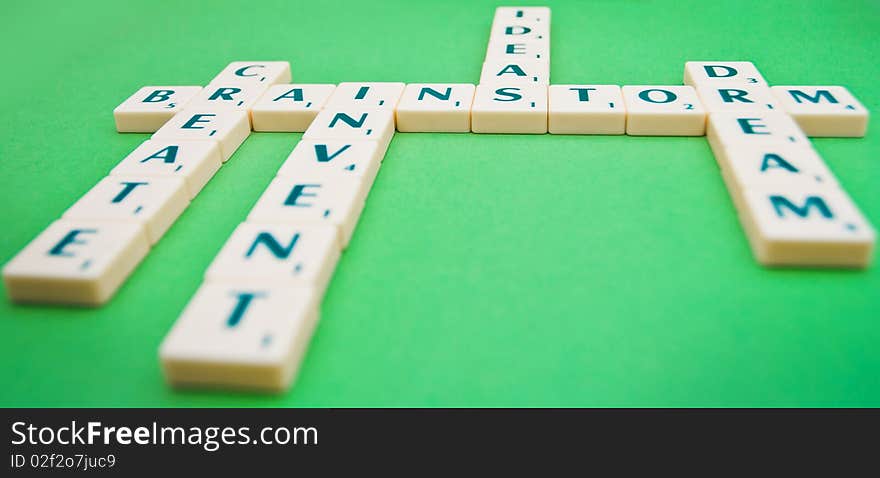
column 83, row 258
column 249, row 324
column 512, row 94
column 792, row 208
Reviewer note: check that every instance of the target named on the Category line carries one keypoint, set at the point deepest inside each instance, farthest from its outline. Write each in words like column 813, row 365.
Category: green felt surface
column 487, row 270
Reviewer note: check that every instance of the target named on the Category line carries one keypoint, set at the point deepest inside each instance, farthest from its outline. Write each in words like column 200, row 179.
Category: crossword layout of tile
column 249, row 323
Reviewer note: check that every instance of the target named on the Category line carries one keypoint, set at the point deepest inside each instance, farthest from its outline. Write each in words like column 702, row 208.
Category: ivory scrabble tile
column 308, row 197
column 193, row 161
column 772, row 166
column 152, row 202
column 151, row 106
column 240, row 336
column 255, row 72
column 777, row 164
column 726, row 97
column 376, row 95
column 509, row 72
column 710, row 72
column 824, row 110
column 725, row 130
column 586, row 109
column 509, row 109
column 359, row 159
column 289, row 107
column 526, row 14
column 75, row 262
column 289, row 254
column 507, row 49
column 518, row 29
column 806, row 227
column 228, row 127
column 663, row 111
column 229, row 94
column 352, row 124
column 434, row 107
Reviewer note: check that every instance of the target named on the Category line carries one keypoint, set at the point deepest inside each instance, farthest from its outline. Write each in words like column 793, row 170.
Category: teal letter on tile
column 322, row 154
column 167, row 154
column 193, row 122
column 268, row 240
column 158, row 96
column 726, row 71
column 583, row 93
column 296, row 94
column 668, row 96
column 798, row 95
column 731, row 95
column 435, row 93
column 348, row 120
column 128, row 187
column 242, row 302
column 69, row 238
column 511, row 95
column 297, row 192
column 748, row 127
column 778, row 162
column 780, row 202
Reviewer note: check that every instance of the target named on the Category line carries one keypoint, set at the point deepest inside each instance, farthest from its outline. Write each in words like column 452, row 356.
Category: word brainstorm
column 250, row 322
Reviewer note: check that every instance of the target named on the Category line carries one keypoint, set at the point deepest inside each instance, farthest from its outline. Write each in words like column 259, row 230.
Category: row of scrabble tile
column 519, row 47
column 790, row 205
column 495, row 108
column 84, row 257
column 249, row 324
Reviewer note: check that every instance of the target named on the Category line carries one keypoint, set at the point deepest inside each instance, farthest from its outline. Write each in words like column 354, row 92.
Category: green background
column 487, row 270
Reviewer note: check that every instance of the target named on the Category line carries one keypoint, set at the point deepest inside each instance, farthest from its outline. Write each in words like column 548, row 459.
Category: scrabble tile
column 229, row 95
column 444, row 108
column 310, row 197
column 359, row 159
column 240, row 336
column 151, row 107
column 229, row 128
column 289, row 107
column 725, row 130
column 777, row 163
column 193, row 161
column 255, row 72
column 508, row 49
column 518, row 29
column 586, row 109
column 509, row 109
column 806, row 227
column 824, row 110
column 710, row 72
column 774, row 165
column 353, row 124
column 75, row 262
column 726, row 97
column 526, row 14
column 376, row 96
column 152, row 202
column 663, row 111
column 508, row 72
column 289, row 254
